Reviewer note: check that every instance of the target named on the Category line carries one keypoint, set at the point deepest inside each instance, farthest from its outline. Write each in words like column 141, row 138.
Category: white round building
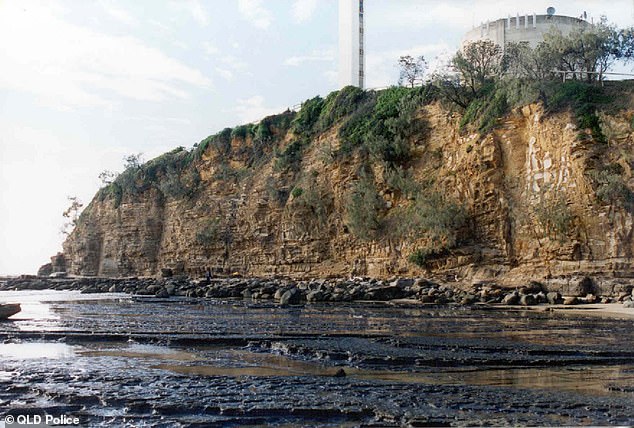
column 526, row 28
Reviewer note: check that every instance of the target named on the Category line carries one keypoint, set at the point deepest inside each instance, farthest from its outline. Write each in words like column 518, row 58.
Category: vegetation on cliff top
column 382, row 131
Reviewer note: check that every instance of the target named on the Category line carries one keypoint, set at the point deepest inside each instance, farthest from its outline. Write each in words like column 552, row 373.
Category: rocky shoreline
column 291, row 292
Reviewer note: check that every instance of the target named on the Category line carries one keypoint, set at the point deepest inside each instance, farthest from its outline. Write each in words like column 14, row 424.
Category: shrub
column 243, row 131
column 401, row 180
column 553, row 214
column 421, row 256
column 209, row 233
column 611, row 187
column 583, row 99
column 297, row 192
column 340, row 104
column 310, row 207
column 308, row 116
column 439, row 220
column 486, row 108
column 363, row 209
column 291, row 156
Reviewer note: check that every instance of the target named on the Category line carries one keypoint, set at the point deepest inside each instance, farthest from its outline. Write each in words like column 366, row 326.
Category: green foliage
column 243, row 131
column 306, row 119
column 553, row 214
column 363, row 209
column 611, row 187
column 584, row 99
column 421, row 256
column 401, row 180
column 383, row 124
column 340, row 104
column 438, row 219
column 310, row 207
column 297, row 192
column 486, row 108
column 209, row 233
column 478, row 63
column 266, row 132
column 291, row 157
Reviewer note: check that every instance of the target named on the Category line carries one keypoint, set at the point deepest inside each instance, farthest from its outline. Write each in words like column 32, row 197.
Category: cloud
column 303, row 10
column 314, row 56
column 255, row 13
column 197, row 11
column 210, row 49
column 235, row 63
column 117, row 13
column 70, row 66
column 254, row 109
column 224, row 73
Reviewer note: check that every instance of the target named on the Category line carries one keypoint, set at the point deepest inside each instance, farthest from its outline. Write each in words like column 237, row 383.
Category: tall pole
column 361, row 47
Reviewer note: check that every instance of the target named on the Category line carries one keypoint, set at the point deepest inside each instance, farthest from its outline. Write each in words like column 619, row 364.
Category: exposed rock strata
column 500, row 178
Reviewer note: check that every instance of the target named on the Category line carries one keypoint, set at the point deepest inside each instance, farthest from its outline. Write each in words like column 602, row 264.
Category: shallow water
column 116, row 360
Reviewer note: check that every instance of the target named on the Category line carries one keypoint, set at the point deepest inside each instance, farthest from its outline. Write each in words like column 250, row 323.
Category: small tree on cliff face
column 412, row 69
column 71, row 214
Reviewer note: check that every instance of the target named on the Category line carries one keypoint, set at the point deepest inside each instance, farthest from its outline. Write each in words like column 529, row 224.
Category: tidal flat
column 116, row 360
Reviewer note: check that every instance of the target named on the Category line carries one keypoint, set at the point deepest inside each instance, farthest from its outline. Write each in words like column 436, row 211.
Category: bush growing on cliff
column 340, row 104
column 209, row 233
column 291, row 157
column 584, row 99
column 306, row 119
column 310, row 207
column 611, row 187
column 363, row 209
column 383, row 124
column 553, row 214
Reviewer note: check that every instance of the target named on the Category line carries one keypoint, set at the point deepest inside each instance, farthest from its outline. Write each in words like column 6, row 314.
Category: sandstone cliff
column 542, row 199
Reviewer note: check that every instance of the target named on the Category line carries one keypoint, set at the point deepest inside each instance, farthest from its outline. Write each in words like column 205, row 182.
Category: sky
column 84, row 83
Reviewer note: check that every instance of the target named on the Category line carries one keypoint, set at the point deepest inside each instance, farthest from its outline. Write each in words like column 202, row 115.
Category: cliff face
column 541, row 197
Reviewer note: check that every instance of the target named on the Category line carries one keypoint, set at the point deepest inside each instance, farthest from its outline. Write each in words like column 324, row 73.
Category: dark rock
column 528, row 300
column 291, row 297
column 402, row 282
column 585, row 287
column 162, row 293
column 468, row 299
column 167, row 273
column 511, row 298
column 340, row 373
column 533, row 287
column 554, row 298
column 45, row 270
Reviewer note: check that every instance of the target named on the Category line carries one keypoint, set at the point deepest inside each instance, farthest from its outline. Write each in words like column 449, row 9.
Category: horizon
column 86, row 84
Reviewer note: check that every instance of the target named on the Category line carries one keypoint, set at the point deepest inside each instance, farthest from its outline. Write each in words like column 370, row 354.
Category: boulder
column 291, row 297
column 554, row 298
column 528, row 300
column 45, row 270
column 571, row 300
column 511, row 298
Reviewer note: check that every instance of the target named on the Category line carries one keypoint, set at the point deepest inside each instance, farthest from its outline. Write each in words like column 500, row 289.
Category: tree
column 107, row 177
column 412, row 69
column 71, row 214
column 133, row 161
column 478, row 63
column 522, row 61
column 589, row 52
